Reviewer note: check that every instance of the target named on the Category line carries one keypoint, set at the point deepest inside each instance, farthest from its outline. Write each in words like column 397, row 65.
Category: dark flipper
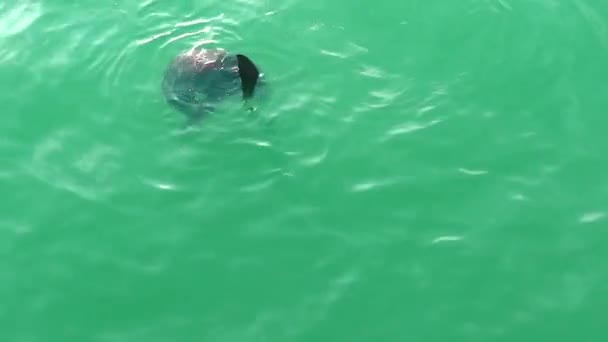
column 249, row 74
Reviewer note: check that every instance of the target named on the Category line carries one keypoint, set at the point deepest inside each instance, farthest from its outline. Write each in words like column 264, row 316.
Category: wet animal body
column 196, row 81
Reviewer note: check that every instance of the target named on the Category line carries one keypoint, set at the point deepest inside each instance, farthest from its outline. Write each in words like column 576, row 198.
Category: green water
column 421, row 171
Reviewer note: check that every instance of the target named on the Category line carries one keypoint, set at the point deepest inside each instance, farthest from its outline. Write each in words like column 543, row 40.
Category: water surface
column 421, row 171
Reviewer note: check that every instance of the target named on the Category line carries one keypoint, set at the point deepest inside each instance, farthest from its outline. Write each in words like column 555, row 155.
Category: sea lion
column 196, row 81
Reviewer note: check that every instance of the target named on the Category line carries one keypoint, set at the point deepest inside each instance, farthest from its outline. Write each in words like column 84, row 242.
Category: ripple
column 350, row 50
column 19, row 18
column 154, row 37
column 387, row 95
column 372, row 71
column 592, row 216
column 472, row 172
column 447, row 238
column 160, row 185
column 147, row 4
column 199, row 21
column 369, row 185
column 315, row 159
column 381, row 98
column 333, row 53
column 206, row 30
column 254, row 142
column 409, row 127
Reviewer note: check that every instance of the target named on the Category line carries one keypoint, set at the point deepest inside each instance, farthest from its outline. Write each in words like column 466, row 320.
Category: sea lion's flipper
column 249, row 74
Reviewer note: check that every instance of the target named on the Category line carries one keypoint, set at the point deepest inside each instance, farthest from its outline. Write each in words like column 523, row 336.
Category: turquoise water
column 420, row 171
